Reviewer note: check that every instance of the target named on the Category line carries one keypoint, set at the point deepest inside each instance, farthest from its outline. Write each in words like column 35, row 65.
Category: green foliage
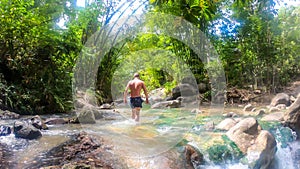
column 198, row 12
column 157, row 67
column 37, row 57
column 169, row 86
column 258, row 46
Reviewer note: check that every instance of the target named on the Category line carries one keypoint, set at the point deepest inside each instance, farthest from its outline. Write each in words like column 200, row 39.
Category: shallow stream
column 158, row 131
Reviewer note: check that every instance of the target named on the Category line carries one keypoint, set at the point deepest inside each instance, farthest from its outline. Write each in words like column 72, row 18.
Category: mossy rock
column 221, row 153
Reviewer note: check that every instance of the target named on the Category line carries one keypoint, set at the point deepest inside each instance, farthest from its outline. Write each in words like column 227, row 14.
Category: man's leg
column 137, row 114
column 133, row 113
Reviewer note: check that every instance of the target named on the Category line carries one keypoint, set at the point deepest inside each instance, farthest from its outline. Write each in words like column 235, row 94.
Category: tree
column 37, row 57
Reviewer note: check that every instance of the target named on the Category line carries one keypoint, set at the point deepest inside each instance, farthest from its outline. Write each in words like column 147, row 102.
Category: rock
column 23, row 129
column 167, row 104
column 81, row 151
column 280, row 98
column 292, row 99
column 258, row 145
column 85, row 98
column 38, row 122
column 226, row 124
column 248, row 107
column 184, row 90
column 281, row 106
column 4, row 115
column 292, row 116
column 86, row 116
column 257, row 91
column 243, row 133
column 278, row 116
column 118, row 102
column 262, row 152
column 155, row 99
column 102, row 114
column 99, row 114
column 260, row 112
column 79, row 103
column 209, row 126
column 5, row 130
column 274, row 109
column 75, row 166
column 157, row 95
column 193, row 156
column 230, row 114
column 106, row 106
column 196, row 111
column 52, row 121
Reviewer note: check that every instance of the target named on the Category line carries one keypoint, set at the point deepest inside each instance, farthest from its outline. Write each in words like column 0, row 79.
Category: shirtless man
column 135, row 86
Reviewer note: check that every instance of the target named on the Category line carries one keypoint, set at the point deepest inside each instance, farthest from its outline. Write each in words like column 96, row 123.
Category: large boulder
column 280, row 98
column 258, row 145
column 81, row 151
column 277, row 116
column 86, row 116
column 292, row 116
column 193, row 156
column 157, row 95
column 102, row 113
column 167, row 104
column 244, row 133
column 226, row 124
column 23, row 129
column 85, row 98
column 184, row 90
column 262, row 152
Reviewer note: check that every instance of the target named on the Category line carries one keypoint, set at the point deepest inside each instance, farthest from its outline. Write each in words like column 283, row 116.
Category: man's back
column 135, row 87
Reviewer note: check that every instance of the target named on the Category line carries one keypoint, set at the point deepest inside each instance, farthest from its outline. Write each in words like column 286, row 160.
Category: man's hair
column 136, row 75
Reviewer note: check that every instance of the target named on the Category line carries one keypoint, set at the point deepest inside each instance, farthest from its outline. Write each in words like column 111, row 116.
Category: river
column 158, row 131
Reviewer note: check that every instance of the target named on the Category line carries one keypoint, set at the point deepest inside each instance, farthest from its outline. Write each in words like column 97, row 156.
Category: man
column 135, row 86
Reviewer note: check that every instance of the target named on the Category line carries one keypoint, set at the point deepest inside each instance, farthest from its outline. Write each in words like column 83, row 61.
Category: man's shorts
column 136, row 102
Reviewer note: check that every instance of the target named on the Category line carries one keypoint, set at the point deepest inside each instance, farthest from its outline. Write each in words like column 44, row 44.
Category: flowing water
column 157, row 132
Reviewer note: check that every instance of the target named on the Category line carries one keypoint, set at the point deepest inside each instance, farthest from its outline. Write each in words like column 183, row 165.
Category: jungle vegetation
column 258, row 45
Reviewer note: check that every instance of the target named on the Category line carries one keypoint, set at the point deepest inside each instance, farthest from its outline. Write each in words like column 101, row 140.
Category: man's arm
column 145, row 92
column 125, row 93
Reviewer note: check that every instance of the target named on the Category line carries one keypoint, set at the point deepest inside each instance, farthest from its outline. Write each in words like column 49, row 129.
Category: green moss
column 221, row 153
column 236, row 152
column 269, row 125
